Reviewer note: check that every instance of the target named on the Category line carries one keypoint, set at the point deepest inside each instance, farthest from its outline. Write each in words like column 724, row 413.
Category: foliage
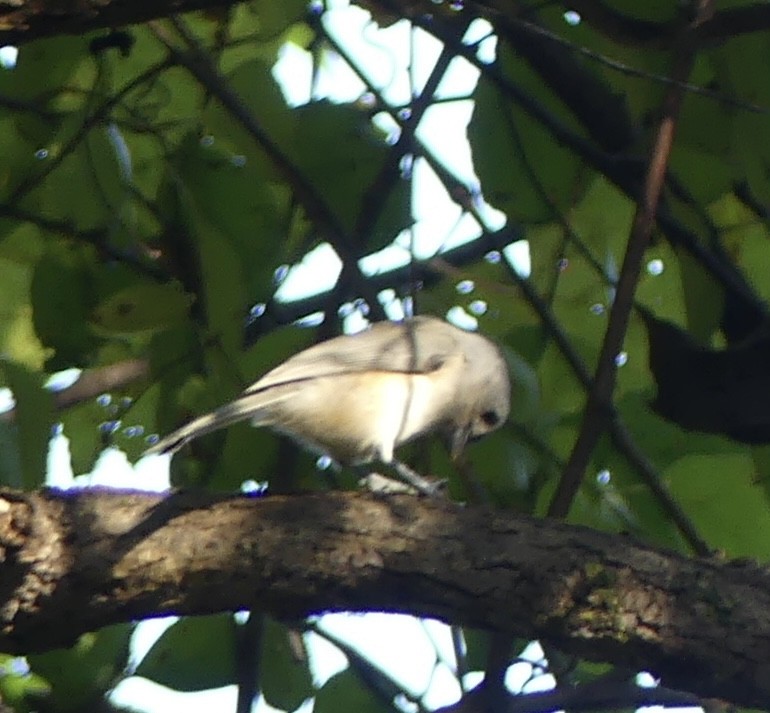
column 155, row 181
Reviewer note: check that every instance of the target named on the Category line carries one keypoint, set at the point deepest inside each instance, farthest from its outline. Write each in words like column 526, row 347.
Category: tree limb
column 77, row 561
column 591, row 697
column 597, row 412
column 26, row 20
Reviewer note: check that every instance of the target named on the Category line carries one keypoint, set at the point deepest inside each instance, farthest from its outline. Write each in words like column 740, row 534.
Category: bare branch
column 596, row 415
column 73, row 562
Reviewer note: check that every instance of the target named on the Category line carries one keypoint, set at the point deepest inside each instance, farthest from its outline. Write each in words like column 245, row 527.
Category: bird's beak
column 458, row 442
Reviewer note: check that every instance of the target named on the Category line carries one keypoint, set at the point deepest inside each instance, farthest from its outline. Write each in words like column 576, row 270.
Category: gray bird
column 359, row 397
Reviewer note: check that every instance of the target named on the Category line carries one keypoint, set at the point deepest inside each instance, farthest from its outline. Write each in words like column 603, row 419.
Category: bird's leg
column 431, row 488
column 383, row 485
column 409, row 480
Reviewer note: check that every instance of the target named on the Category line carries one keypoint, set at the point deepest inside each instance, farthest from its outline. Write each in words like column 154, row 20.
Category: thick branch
column 73, row 562
column 25, row 20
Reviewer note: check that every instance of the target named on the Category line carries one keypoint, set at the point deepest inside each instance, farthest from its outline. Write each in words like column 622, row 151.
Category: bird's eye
column 490, row 418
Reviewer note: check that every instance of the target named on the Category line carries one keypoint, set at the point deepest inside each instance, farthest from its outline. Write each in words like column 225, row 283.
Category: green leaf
column 721, row 495
column 87, row 188
column 140, row 308
column 81, row 675
column 749, row 131
column 239, row 209
column 285, row 681
column 273, row 19
column 703, row 297
column 11, row 473
column 258, row 91
column 341, row 154
column 171, row 102
column 18, row 154
column 520, row 164
column 20, row 689
column 43, row 68
column 746, row 239
column 333, row 151
column 20, row 248
column 344, row 693
column 195, row 654
column 62, row 302
column 705, row 174
column 31, row 431
column 602, row 221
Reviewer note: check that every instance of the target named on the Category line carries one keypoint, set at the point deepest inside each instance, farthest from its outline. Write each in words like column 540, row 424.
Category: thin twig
column 94, row 382
column 91, row 121
column 630, row 71
column 636, row 32
column 596, row 415
column 197, row 62
column 624, row 172
column 248, row 660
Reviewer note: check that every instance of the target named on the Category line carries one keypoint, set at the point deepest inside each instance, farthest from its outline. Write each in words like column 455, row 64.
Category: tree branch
column 637, row 32
column 597, row 412
column 76, row 561
column 93, row 382
column 590, row 697
column 26, row 20
column 198, row 63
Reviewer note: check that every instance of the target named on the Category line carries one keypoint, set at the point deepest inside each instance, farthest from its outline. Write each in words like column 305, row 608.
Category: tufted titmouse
column 358, row 397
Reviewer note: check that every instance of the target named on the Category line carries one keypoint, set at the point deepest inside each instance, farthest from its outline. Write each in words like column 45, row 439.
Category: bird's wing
column 418, row 345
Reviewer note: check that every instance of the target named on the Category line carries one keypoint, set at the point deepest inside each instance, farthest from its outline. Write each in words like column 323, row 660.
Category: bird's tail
column 254, row 406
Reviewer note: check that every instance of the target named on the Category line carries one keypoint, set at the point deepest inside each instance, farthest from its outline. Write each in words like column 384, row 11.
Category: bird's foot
column 433, row 487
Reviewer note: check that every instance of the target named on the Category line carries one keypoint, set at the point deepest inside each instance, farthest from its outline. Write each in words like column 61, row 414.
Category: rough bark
column 25, row 20
column 76, row 561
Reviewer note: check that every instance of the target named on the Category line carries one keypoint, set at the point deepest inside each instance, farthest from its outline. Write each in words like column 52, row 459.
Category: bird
column 358, row 397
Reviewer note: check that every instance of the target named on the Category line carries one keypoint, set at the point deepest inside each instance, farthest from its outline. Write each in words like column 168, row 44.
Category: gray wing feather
column 418, row 345
column 246, row 406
